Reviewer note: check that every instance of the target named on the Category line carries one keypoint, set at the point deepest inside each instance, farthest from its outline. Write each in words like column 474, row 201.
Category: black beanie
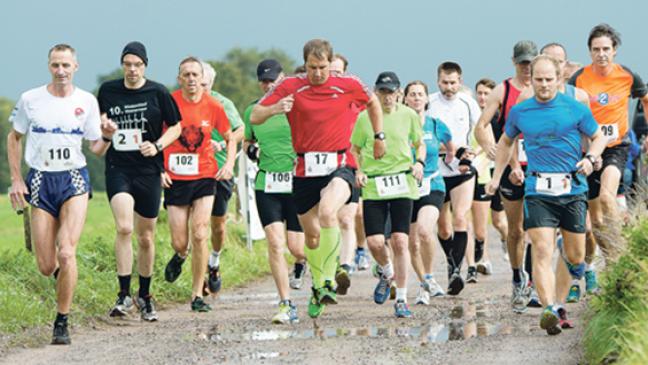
column 137, row 49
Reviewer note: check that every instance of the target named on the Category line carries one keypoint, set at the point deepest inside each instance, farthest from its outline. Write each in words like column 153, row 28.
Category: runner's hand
column 491, row 187
column 108, row 127
column 379, row 149
column 148, row 149
column 17, row 194
column 361, row 179
column 284, row 105
column 417, row 171
column 585, row 167
column 225, row 173
column 165, row 180
column 516, row 177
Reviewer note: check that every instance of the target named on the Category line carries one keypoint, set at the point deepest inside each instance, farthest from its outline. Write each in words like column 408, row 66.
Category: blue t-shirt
column 552, row 137
column 435, row 132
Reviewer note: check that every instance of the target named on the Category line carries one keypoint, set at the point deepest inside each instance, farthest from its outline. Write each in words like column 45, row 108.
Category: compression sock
column 459, row 243
column 479, row 250
column 446, row 245
column 329, row 247
column 528, row 263
column 124, row 284
column 145, row 286
column 517, row 276
column 315, row 266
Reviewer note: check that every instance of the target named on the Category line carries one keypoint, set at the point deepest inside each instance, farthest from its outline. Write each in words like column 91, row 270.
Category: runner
column 609, row 86
column 390, row 185
column 501, row 100
column 223, row 186
column 56, row 118
column 134, row 164
column 459, row 112
column 431, row 191
column 320, row 108
column 190, row 176
column 558, row 52
column 555, row 189
column 273, row 187
column 479, row 210
column 348, row 213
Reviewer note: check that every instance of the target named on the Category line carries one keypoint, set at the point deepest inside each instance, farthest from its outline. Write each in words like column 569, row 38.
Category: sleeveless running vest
column 511, row 94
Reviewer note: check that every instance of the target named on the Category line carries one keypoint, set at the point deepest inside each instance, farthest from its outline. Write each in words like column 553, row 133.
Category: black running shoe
column 173, row 268
column 214, row 280
column 61, row 335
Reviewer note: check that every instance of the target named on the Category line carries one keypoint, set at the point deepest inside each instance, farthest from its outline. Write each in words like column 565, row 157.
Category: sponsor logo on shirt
column 204, row 123
column 604, row 99
column 79, row 112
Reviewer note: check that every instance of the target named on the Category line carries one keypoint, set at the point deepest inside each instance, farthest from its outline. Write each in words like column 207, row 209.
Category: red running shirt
column 323, row 116
column 191, row 156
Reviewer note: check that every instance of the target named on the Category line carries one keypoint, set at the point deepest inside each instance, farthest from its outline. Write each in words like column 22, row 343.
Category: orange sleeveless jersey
column 198, row 120
column 609, row 95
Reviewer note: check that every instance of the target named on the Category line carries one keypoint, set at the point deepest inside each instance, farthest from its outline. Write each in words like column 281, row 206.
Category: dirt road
column 476, row 327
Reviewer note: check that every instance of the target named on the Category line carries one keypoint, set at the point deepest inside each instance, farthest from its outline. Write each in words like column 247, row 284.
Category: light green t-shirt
column 275, row 145
column 235, row 122
column 402, row 127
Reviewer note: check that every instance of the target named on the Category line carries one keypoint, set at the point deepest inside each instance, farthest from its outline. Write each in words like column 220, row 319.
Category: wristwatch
column 159, row 146
column 380, row 136
column 591, row 158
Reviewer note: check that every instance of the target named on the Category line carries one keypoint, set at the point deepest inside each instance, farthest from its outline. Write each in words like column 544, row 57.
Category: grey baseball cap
column 524, row 51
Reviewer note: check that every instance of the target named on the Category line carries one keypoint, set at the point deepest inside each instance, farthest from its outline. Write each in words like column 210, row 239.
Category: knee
column 399, row 243
column 460, row 222
column 125, row 229
column 218, row 227
column 46, row 266
column 145, row 240
column 516, row 235
column 347, row 222
column 424, row 235
column 66, row 257
column 200, row 232
column 327, row 215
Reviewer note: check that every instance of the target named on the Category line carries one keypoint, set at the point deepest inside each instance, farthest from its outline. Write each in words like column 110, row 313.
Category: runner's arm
column 361, row 178
column 421, row 151
column 375, row 116
column 14, row 155
column 261, row 113
column 502, row 157
column 108, row 128
column 227, row 170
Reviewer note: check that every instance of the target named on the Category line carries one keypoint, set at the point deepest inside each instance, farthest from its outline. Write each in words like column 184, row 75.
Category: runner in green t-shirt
column 223, row 187
column 389, row 184
column 270, row 144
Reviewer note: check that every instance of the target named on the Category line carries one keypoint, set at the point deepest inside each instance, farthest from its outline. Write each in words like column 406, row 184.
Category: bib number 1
column 553, row 184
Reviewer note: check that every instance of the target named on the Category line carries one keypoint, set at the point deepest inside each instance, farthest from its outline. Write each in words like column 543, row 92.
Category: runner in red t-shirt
column 190, row 176
column 321, row 108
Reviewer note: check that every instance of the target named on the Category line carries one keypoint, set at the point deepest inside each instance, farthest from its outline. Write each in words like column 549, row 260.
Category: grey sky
column 408, row 37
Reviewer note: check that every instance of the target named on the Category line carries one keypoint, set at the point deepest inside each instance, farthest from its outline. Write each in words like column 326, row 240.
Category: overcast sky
column 408, row 37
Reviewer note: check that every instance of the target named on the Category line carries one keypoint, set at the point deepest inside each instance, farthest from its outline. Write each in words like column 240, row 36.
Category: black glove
column 252, row 152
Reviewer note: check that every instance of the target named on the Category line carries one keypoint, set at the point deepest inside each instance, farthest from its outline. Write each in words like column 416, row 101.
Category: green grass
column 27, row 298
column 617, row 328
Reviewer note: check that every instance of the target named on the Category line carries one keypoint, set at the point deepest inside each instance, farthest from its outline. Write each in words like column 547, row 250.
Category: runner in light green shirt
column 389, row 185
column 235, row 122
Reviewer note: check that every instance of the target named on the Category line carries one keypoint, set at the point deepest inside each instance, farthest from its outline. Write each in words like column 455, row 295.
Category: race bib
column 58, row 158
column 278, row 182
column 320, row 163
column 610, row 132
column 183, row 163
column 553, row 184
column 391, row 185
column 127, row 139
column 522, row 157
column 424, row 186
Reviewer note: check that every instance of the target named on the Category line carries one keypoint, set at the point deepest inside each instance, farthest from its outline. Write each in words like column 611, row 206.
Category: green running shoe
column 574, row 294
column 315, row 308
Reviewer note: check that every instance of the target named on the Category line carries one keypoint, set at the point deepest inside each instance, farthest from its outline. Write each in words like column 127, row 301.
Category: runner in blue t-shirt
column 555, row 192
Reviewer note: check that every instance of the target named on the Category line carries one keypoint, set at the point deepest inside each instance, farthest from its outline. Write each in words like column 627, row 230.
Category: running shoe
column 591, row 285
column 315, row 308
column 362, row 261
column 564, row 322
column 123, row 305
column 173, row 268
column 422, row 297
column 297, row 275
column 343, row 280
column 550, row 320
column 287, row 313
column 455, row 284
column 199, row 305
column 520, row 296
column 471, row 276
column 214, row 280
column 382, row 291
column 401, row 310
column 485, row 268
column 534, row 299
column 574, row 294
column 61, row 336
column 147, row 309
column 432, row 287
column 327, row 294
